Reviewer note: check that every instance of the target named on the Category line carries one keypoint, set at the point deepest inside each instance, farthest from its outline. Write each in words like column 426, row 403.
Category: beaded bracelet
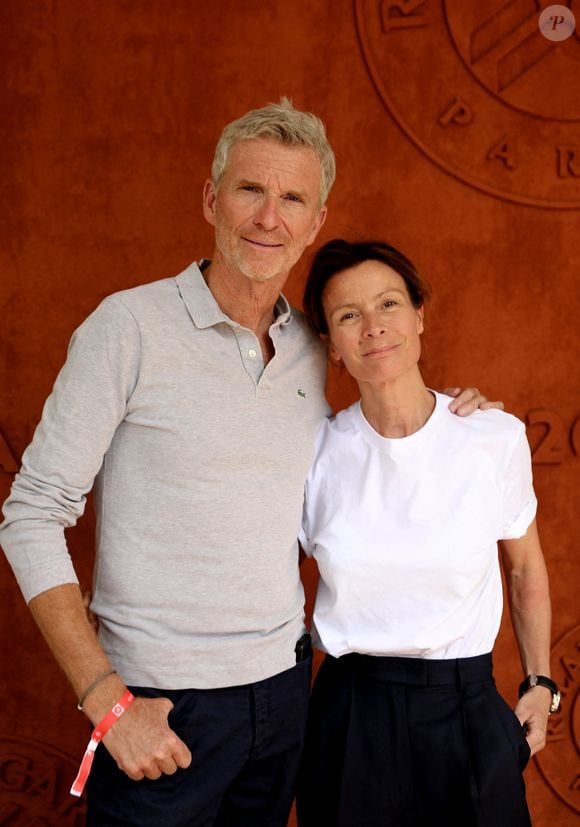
column 94, row 685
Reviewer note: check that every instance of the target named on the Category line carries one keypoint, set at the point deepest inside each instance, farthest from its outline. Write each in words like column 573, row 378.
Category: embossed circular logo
column 481, row 91
column 35, row 780
column 559, row 762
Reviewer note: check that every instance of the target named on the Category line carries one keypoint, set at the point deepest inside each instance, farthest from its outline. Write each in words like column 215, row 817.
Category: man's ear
column 320, row 219
column 209, row 199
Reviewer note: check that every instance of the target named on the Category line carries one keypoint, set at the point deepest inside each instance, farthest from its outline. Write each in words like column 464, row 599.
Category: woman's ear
column 421, row 319
column 334, row 358
column 332, row 352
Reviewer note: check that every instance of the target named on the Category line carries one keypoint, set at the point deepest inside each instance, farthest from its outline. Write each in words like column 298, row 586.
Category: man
column 193, row 402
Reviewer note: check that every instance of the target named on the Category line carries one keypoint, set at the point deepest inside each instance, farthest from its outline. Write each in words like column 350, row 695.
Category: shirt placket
column 250, row 353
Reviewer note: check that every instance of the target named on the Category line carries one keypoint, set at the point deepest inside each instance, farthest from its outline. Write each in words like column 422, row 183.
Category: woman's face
column 373, row 328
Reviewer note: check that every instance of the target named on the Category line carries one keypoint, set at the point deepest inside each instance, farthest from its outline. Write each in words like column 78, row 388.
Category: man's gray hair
column 284, row 124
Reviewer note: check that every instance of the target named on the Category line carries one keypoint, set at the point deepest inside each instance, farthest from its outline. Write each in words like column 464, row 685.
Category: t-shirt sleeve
column 519, row 500
column 88, row 401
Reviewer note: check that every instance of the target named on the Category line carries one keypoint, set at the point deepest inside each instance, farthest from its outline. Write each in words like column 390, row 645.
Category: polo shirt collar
column 282, row 311
column 203, row 308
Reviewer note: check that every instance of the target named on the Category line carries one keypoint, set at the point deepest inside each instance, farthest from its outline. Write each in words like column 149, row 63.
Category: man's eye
column 295, row 198
column 249, row 188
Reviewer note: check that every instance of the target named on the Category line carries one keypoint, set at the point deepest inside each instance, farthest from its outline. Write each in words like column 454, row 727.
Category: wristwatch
column 541, row 680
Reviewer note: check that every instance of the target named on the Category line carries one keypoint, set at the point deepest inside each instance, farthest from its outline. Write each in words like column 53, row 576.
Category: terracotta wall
column 457, row 132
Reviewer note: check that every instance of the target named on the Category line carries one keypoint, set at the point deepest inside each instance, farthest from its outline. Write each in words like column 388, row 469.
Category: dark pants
column 404, row 742
column 246, row 743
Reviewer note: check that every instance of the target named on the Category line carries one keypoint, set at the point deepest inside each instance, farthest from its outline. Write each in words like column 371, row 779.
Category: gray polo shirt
column 199, row 457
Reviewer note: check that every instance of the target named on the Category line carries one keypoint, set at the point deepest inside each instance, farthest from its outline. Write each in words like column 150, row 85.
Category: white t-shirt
column 404, row 531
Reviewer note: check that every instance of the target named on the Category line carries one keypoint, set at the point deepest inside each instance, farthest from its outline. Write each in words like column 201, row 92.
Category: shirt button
column 252, row 353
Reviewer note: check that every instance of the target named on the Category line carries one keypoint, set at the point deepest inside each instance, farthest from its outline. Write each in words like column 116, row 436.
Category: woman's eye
column 390, row 303
column 346, row 316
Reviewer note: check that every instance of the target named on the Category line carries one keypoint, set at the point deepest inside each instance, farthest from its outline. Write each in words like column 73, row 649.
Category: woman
column 404, row 506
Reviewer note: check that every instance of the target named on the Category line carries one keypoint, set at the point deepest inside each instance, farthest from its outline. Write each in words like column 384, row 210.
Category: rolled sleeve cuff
column 518, row 527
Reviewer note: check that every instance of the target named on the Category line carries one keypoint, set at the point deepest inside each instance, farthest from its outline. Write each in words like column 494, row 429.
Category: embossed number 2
column 552, row 447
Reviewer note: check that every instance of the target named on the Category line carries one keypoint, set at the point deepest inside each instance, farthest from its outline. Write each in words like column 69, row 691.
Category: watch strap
column 541, row 680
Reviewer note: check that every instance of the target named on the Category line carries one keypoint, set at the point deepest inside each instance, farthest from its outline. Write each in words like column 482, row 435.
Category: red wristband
column 97, row 736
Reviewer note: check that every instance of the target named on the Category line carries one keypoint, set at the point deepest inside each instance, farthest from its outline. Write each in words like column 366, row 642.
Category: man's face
column 266, row 209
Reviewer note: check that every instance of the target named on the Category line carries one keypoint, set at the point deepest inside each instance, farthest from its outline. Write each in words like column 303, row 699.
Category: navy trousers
column 404, row 742
column 246, row 743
